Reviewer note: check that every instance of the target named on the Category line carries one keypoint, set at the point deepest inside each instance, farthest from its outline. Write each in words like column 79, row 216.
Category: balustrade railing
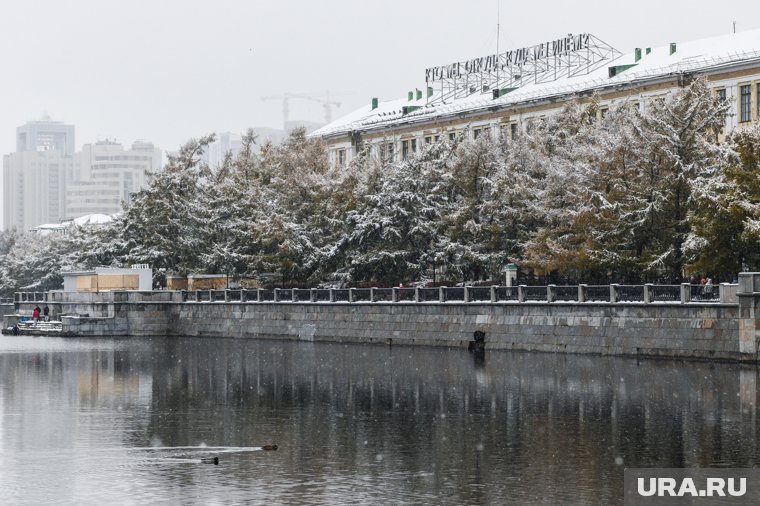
column 665, row 293
column 616, row 294
column 480, row 294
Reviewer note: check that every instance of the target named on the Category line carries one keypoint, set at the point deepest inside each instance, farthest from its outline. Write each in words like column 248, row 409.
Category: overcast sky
column 169, row 70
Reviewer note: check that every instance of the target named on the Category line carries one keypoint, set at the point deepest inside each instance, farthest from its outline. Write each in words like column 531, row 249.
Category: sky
column 170, row 70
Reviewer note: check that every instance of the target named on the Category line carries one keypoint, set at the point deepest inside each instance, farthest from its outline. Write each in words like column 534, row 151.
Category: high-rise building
column 109, row 174
column 47, row 182
column 34, row 177
column 45, row 135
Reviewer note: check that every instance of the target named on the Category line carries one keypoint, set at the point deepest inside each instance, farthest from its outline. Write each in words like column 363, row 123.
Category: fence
column 719, row 294
column 684, row 293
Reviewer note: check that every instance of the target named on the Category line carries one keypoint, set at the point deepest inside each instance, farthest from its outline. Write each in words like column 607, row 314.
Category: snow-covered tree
column 649, row 183
column 162, row 225
column 725, row 235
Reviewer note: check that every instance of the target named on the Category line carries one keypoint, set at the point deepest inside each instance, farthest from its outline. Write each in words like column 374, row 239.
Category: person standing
column 36, row 315
column 46, row 313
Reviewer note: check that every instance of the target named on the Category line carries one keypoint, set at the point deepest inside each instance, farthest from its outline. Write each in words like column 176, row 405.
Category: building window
column 386, row 151
column 414, row 145
column 404, row 150
column 452, row 136
column 513, row 131
column 603, row 112
column 745, row 103
column 437, row 138
column 341, row 157
column 476, row 133
column 721, row 95
column 428, row 140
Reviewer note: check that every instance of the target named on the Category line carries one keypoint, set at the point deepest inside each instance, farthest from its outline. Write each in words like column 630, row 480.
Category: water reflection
column 353, row 424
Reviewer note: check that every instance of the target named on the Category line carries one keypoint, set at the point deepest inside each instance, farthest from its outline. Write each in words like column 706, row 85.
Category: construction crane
column 325, row 100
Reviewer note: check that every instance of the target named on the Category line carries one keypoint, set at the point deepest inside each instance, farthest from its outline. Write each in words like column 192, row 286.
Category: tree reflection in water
column 359, row 423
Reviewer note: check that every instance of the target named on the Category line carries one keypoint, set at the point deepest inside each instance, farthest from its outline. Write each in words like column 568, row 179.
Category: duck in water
column 210, row 460
column 269, row 447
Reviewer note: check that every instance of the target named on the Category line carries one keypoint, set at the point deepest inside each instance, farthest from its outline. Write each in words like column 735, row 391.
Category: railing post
column 276, row 295
column 332, row 295
column 613, row 293
column 258, row 295
column 197, row 296
column 648, row 293
column 243, row 295
column 313, row 295
column 551, row 293
column 394, row 294
column 372, row 294
column 211, row 295
column 416, row 294
column 467, row 294
column 351, row 294
column 722, row 295
column 685, row 293
column 294, row 295
column 493, row 293
column 582, row 291
column 226, row 295
column 441, row 294
column 521, row 293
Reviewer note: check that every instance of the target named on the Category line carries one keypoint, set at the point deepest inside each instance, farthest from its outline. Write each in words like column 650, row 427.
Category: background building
column 46, row 182
column 108, row 174
column 34, row 177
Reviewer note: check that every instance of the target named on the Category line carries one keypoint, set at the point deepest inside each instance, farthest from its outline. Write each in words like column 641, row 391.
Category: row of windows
column 745, row 101
column 386, row 150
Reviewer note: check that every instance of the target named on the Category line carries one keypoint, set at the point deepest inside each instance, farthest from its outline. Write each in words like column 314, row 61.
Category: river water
column 128, row 422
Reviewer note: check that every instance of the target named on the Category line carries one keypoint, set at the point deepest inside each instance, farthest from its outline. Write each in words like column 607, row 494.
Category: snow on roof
column 90, row 219
column 93, row 219
column 700, row 55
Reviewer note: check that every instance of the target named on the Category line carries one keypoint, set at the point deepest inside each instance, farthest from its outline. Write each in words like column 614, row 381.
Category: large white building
column 34, row 177
column 108, row 175
column 500, row 94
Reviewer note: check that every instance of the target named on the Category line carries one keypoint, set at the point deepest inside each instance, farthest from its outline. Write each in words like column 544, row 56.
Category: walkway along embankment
column 669, row 321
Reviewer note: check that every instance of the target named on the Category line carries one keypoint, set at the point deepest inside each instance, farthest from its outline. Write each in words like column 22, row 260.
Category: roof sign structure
column 568, row 56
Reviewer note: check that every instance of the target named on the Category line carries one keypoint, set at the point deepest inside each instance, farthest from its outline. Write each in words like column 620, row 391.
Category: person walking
column 46, row 313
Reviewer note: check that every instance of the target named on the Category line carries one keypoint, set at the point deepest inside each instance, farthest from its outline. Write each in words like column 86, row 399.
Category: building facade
column 34, row 177
column 108, row 175
column 500, row 95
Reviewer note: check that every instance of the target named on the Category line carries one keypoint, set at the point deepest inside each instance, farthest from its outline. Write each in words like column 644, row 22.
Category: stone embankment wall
column 705, row 331
column 701, row 330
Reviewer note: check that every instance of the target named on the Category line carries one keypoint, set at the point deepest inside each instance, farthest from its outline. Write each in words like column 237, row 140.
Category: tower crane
column 325, row 100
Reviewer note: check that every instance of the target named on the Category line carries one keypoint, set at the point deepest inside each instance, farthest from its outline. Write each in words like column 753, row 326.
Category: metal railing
column 613, row 294
column 650, row 293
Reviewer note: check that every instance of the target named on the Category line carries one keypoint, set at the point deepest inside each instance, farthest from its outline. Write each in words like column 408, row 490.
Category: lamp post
column 510, row 274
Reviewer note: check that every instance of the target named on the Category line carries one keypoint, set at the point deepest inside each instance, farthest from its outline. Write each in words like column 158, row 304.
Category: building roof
column 90, row 219
column 702, row 55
